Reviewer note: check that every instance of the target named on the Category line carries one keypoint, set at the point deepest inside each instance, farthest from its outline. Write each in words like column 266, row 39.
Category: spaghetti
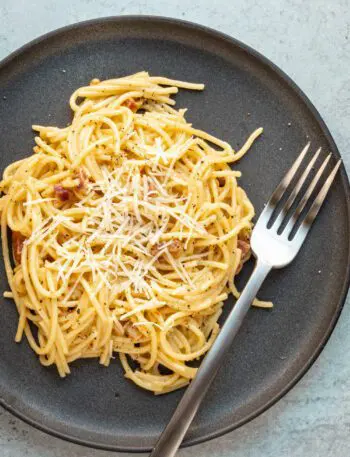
column 128, row 228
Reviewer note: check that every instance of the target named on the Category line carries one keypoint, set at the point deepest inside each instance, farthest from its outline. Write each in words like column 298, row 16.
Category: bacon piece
column 175, row 248
column 144, row 170
column 244, row 246
column 221, row 181
column 61, row 192
column 132, row 104
column 17, row 246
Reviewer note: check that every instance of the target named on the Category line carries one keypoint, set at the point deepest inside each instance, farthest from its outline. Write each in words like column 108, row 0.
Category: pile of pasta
column 128, row 228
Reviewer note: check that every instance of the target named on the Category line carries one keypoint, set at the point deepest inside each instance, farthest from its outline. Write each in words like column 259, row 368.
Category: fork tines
column 305, row 218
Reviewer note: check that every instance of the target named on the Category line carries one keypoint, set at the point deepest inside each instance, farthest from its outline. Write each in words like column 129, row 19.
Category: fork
column 276, row 239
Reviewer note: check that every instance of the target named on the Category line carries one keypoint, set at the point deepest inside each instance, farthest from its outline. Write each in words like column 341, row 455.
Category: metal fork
column 276, row 239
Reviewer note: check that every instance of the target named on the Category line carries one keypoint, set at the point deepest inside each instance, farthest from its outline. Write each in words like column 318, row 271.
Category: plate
column 97, row 406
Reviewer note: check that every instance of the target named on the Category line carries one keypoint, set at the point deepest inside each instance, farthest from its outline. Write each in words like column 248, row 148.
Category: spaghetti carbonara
column 127, row 228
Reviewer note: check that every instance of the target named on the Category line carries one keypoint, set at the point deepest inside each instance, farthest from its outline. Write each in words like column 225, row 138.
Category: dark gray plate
column 96, row 406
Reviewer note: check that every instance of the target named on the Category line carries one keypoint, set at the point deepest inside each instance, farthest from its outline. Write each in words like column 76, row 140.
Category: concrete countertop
column 310, row 41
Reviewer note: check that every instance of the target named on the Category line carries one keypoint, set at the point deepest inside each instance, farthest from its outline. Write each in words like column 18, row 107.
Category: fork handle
column 176, row 429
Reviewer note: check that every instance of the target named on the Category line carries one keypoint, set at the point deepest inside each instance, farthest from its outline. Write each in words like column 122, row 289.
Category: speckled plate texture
column 97, row 406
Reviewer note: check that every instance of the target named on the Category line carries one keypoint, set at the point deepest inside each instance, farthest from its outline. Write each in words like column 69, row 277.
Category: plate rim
column 171, row 21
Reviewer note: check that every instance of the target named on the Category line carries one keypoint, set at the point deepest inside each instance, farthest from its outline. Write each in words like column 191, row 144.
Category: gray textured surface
column 310, row 42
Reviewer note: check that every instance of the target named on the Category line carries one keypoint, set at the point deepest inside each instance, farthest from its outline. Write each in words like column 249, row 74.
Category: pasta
column 128, row 228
